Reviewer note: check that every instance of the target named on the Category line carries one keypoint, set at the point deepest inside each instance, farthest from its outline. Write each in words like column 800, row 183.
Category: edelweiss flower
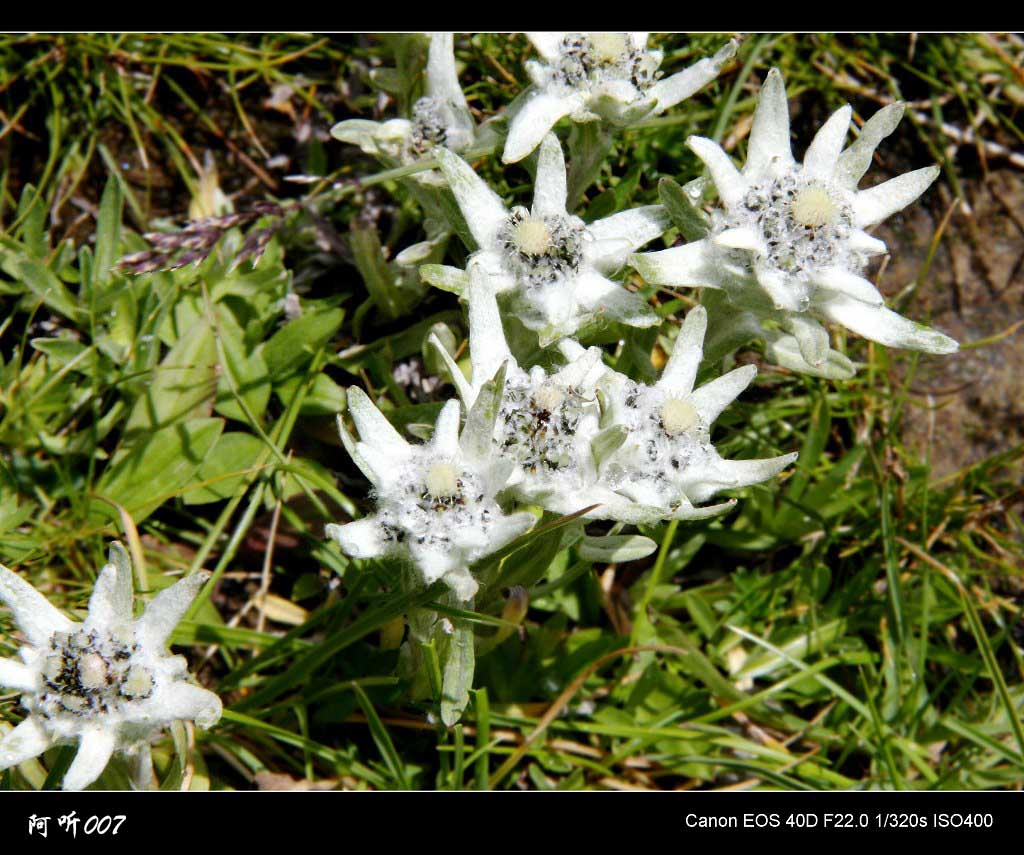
column 546, row 422
column 435, row 502
column 552, row 264
column 108, row 681
column 440, row 118
column 666, row 463
column 790, row 245
column 600, row 76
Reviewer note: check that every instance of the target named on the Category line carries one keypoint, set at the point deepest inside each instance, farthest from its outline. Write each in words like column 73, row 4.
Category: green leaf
column 108, row 234
column 244, row 376
column 224, row 469
column 153, row 469
column 379, row 279
column 325, row 398
column 616, row 549
column 459, row 664
column 691, row 221
column 42, row 282
column 183, row 385
column 607, row 442
column 295, row 344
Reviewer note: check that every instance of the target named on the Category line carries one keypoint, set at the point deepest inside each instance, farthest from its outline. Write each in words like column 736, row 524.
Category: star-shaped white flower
column 546, row 421
column 553, row 266
column 435, row 501
column 108, row 682
column 666, row 463
column 440, row 118
column 609, row 77
column 790, row 245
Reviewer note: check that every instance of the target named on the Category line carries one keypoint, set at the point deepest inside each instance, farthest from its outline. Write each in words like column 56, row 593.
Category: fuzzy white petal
column 462, row 386
column 686, row 511
column 166, row 610
column 742, row 238
column 15, row 675
column 111, row 602
column 445, row 440
column 786, row 293
column 670, row 91
column 732, row 474
column 452, row 279
column 854, row 162
column 533, row 122
column 508, row 528
column 577, row 371
column 875, row 204
column 769, row 133
column 360, row 539
column 613, row 301
column 711, row 398
column 861, row 241
column 360, row 132
column 374, row 429
column 731, row 185
column 784, row 350
column 183, row 701
column 692, row 265
column 680, row 371
column 823, row 153
column 811, row 337
column 880, row 324
column 548, row 44
column 33, row 613
column 549, row 189
column 351, row 446
column 94, row 751
column 29, row 739
column 615, row 237
column 379, row 465
column 462, row 584
column 433, row 562
column 482, row 208
column 442, row 78
column 850, row 284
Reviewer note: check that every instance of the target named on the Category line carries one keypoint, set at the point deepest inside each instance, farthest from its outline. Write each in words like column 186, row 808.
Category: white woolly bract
column 789, row 242
column 109, row 682
column 609, row 77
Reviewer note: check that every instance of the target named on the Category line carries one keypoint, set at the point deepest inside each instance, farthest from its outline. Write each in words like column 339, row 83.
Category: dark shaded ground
column 971, row 404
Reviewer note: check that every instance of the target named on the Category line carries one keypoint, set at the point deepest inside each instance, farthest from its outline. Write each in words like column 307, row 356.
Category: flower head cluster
column 552, row 266
column 666, row 463
column 107, row 682
column 610, row 77
column 546, row 421
column 790, row 244
column 436, row 501
column 787, row 249
column 441, row 118
column 643, row 455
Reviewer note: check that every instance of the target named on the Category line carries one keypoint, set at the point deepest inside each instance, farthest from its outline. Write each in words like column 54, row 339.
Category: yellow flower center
column 609, row 47
column 548, row 397
column 814, row 207
column 678, row 416
column 92, row 671
column 138, row 683
column 532, row 236
column 443, row 481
